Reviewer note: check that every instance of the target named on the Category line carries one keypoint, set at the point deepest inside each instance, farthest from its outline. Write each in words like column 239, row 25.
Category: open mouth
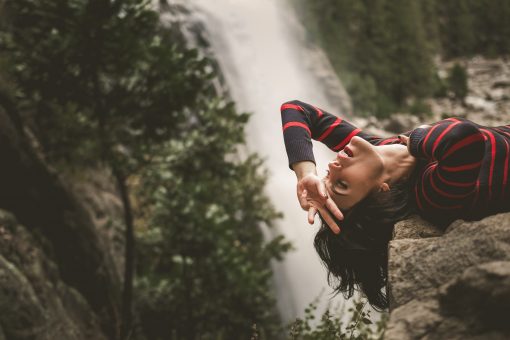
column 348, row 151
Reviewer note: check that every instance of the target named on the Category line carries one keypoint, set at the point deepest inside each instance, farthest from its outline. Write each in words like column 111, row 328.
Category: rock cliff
column 59, row 277
column 451, row 285
column 35, row 302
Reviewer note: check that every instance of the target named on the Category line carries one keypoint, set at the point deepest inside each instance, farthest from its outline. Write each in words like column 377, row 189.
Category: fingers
column 328, row 206
column 331, row 205
column 318, row 201
column 303, row 200
column 404, row 139
column 329, row 220
column 311, row 214
column 321, row 189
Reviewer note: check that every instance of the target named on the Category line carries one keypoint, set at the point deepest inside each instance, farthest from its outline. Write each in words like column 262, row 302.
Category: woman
column 444, row 171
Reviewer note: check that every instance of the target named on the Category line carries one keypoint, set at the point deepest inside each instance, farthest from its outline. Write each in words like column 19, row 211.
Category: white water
column 261, row 50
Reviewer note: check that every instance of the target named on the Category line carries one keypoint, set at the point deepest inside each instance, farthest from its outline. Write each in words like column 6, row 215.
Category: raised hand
column 313, row 197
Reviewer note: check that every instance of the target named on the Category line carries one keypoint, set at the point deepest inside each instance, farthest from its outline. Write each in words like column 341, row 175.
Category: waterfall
column 265, row 58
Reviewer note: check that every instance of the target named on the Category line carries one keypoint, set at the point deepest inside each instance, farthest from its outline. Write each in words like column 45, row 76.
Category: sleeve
column 455, row 150
column 303, row 122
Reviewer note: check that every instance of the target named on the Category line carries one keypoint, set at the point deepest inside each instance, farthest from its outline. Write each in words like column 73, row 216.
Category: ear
column 384, row 187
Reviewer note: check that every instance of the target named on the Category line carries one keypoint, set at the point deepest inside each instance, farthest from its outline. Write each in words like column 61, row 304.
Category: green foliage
column 458, row 81
column 470, row 27
column 101, row 81
column 204, row 266
column 376, row 47
column 331, row 327
column 383, row 49
column 101, row 73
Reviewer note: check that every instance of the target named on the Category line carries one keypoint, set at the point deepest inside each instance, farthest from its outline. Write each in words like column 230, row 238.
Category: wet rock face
column 454, row 286
column 34, row 302
column 488, row 98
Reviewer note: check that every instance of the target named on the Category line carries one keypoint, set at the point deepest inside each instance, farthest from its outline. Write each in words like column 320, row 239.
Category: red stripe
column 505, row 172
column 346, row 139
column 493, row 159
column 465, row 142
column 502, row 131
column 443, row 193
column 387, row 141
column 456, row 184
column 438, row 139
column 330, row 128
column 462, row 167
column 291, row 124
column 319, row 112
column 453, row 119
column 427, row 138
column 428, row 199
column 291, row 106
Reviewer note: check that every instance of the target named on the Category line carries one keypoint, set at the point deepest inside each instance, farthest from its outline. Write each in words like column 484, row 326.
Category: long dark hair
column 357, row 258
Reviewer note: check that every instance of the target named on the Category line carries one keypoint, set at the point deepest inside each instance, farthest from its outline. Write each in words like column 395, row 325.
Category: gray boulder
column 34, row 302
column 454, row 286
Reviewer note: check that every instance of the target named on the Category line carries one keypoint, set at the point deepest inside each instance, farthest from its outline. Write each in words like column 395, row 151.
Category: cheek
column 365, row 177
column 372, row 165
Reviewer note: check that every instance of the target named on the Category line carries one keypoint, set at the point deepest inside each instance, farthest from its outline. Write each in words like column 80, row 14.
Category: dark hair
column 357, row 258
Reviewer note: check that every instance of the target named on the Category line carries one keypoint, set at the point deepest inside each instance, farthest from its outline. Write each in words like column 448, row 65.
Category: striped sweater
column 462, row 168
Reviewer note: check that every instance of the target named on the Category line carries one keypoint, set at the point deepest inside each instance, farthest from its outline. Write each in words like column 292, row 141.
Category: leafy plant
column 204, row 264
column 331, row 327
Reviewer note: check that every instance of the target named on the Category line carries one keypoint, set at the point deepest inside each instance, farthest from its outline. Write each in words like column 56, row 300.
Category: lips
column 348, row 151
column 345, row 153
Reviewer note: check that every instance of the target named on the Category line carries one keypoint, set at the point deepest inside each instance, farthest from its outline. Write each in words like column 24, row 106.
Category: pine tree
column 102, row 82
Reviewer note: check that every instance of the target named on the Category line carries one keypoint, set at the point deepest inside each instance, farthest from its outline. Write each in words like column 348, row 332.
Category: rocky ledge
column 454, row 285
column 35, row 303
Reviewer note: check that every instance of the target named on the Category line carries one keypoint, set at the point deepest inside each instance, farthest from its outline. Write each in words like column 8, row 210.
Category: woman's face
column 355, row 172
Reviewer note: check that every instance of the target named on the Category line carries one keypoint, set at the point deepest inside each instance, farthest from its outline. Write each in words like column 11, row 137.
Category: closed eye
column 334, row 188
column 342, row 184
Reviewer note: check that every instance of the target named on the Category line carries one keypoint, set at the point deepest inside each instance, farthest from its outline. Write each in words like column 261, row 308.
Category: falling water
column 264, row 56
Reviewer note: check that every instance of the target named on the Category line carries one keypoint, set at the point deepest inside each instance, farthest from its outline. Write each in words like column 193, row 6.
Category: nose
column 355, row 139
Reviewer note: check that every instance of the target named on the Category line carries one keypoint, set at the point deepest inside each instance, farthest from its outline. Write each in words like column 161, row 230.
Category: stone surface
column 400, row 122
column 480, row 104
column 454, row 286
column 34, row 302
column 34, row 192
column 415, row 227
column 413, row 320
column 487, row 101
column 101, row 200
column 481, row 294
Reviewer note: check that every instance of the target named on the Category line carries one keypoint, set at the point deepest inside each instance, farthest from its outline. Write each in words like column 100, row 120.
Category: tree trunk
column 127, row 293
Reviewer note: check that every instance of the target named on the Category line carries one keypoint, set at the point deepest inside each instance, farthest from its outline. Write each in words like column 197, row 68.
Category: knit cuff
column 415, row 138
column 299, row 151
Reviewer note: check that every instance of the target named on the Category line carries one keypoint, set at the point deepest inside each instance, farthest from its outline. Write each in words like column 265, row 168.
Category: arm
column 303, row 122
column 456, row 149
